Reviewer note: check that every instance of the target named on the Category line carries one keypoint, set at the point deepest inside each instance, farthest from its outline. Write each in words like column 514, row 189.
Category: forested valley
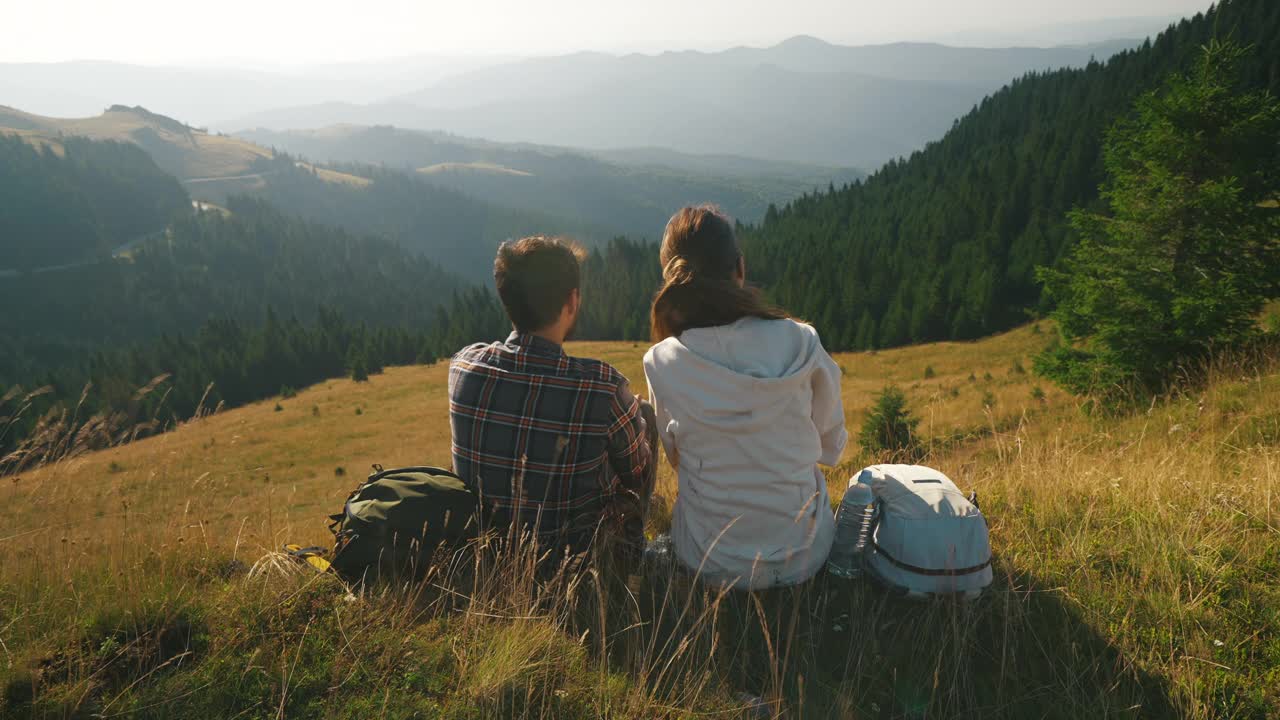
column 457, row 231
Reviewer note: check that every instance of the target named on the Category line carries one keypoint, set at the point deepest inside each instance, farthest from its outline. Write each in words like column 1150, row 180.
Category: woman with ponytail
column 748, row 406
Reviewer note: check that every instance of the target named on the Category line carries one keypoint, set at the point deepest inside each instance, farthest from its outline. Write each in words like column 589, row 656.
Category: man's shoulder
column 474, row 350
column 588, row 369
column 598, row 371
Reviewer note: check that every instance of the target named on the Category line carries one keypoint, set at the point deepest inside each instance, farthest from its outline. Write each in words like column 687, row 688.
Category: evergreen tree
column 357, row 365
column 889, row 426
column 1187, row 255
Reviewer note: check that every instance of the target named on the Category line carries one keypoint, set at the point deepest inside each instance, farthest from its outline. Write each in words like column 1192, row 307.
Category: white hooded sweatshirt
column 749, row 410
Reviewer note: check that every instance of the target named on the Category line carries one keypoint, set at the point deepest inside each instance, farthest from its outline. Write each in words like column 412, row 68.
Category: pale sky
column 311, row 31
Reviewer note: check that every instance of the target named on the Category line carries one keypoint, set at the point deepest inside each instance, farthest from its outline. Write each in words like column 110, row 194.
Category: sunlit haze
column 292, row 32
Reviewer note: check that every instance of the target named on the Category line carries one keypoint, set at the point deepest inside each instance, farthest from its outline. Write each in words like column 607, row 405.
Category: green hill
column 944, row 244
column 179, row 150
column 210, row 265
column 454, row 228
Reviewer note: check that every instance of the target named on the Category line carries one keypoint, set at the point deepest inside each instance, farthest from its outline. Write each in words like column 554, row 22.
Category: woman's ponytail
column 700, row 260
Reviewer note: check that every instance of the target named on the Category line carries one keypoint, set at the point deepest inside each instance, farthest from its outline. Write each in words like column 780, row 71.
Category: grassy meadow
column 1137, row 557
column 195, row 153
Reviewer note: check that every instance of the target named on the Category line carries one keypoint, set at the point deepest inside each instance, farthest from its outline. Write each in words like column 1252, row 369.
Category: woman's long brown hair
column 700, row 258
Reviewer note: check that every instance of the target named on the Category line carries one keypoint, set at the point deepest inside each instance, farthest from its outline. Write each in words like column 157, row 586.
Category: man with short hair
column 552, row 444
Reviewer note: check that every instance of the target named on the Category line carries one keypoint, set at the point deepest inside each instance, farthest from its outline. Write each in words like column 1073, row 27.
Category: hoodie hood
column 744, row 373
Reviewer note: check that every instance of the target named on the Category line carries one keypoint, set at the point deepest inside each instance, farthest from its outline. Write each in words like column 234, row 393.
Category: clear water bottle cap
column 859, row 494
column 863, row 477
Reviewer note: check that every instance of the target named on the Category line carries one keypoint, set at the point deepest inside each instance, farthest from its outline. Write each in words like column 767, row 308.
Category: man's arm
column 634, row 460
column 631, row 453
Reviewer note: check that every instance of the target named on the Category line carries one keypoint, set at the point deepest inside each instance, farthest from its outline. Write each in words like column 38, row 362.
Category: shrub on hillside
column 1185, row 260
column 889, row 425
column 1271, row 323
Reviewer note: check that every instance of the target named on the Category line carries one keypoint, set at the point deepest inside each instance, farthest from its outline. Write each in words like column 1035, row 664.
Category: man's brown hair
column 535, row 277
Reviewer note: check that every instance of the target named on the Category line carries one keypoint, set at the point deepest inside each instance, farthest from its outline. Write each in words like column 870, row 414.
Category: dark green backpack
column 395, row 522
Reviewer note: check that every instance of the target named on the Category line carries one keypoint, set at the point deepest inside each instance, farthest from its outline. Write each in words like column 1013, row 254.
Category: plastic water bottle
column 853, row 531
column 659, row 552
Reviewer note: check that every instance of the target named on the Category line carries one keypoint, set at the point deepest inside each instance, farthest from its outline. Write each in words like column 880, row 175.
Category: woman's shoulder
column 779, row 328
column 661, row 351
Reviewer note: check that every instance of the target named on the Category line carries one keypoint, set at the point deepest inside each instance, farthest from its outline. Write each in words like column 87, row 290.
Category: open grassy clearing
column 480, row 168
column 1138, row 564
column 185, row 152
column 334, row 176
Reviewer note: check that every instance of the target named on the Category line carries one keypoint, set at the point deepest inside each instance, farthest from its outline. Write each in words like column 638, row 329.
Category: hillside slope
column 208, row 265
column 945, row 244
column 210, row 166
column 455, row 229
column 77, row 200
column 1107, row 603
column 179, row 150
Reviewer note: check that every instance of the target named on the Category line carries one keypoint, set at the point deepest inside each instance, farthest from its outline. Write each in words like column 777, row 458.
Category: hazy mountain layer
column 803, row 100
column 207, row 95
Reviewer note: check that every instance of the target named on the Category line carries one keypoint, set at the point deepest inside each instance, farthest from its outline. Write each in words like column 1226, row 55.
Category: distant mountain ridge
column 931, row 63
column 803, row 100
column 1081, row 32
column 207, row 95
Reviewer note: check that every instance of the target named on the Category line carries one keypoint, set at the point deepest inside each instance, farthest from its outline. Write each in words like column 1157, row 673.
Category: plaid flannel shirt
column 550, row 438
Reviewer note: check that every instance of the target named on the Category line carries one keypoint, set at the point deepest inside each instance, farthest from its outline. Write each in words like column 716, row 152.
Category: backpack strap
column 378, row 473
column 927, row 571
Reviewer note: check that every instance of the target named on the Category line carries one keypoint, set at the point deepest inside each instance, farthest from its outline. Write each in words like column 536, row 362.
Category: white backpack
column 929, row 539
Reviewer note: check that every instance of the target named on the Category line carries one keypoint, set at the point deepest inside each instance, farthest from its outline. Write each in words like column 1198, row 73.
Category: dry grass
column 333, row 176
column 1138, row 564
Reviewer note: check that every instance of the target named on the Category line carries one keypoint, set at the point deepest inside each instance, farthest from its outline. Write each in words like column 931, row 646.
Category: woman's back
column 749, row 409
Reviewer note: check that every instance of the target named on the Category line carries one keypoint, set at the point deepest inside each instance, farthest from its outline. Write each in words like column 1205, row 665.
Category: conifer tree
column 1188, row 253
column 889, row 425
column 357, row 365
